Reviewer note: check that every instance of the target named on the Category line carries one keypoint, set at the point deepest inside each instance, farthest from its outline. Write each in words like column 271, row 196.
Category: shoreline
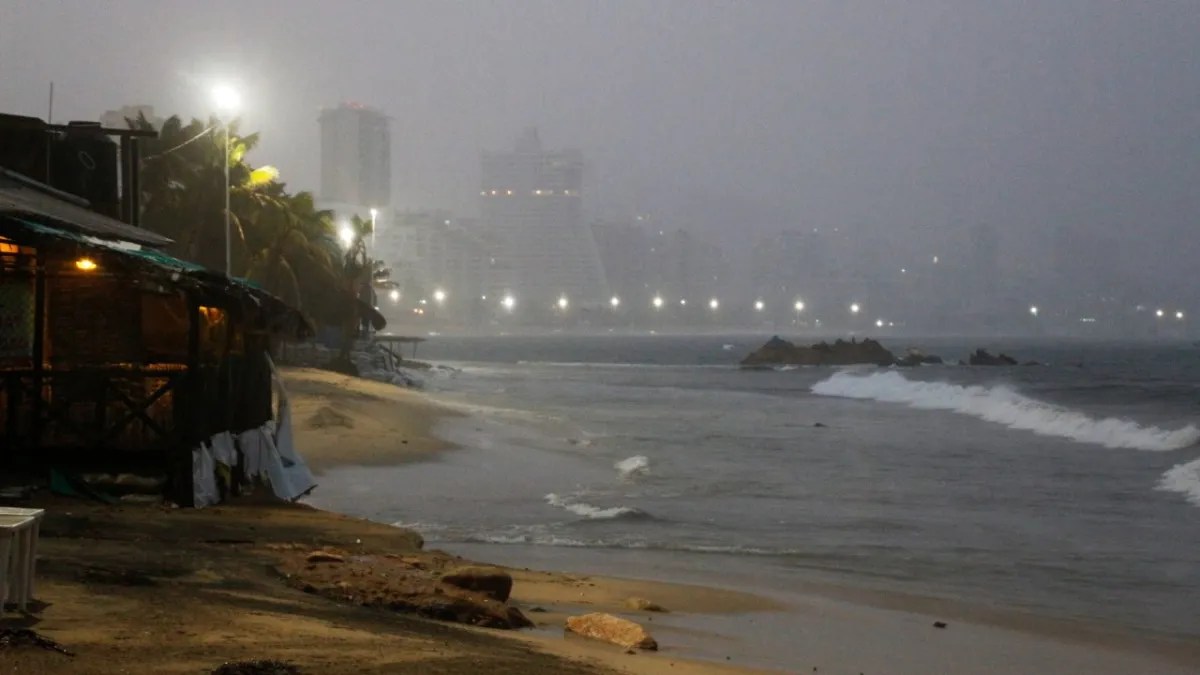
column 1057, row 639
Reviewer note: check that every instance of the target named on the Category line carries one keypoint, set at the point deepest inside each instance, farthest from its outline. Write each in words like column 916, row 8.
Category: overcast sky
column 899, row 120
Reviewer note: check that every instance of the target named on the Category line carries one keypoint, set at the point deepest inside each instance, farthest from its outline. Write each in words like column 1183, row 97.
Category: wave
column 630, row 467
column 1184, row 479
column 1003, row 405
column 595, row 512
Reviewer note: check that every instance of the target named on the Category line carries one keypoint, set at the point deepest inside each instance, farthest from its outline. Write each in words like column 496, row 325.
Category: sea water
column 1069, row 489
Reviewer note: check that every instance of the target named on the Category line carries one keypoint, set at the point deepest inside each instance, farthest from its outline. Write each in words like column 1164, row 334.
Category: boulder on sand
column 778, row 351
column 491, row 581
column 609, row 628
column 644, row 605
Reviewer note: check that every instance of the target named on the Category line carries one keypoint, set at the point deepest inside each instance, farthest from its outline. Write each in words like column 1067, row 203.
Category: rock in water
column 491, row 581
column 609, row 628
column 982, row 357
column 841, row 353
column 644, row 605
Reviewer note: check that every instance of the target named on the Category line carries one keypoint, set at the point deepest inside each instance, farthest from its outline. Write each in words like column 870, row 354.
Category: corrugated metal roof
column 19, row 199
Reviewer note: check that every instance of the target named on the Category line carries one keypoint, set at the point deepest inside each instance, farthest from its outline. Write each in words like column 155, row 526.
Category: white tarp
column 268, row 451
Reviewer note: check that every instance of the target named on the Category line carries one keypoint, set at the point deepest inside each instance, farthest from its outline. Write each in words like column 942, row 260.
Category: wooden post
column 39, row 343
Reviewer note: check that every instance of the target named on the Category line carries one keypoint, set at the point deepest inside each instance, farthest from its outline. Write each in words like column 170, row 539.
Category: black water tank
column 83, row 162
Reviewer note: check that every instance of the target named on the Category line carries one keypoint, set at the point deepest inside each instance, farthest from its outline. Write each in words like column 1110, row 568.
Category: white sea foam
column 1003, row 405
column 1184, row 479
column 593, row 512
column 628, row 468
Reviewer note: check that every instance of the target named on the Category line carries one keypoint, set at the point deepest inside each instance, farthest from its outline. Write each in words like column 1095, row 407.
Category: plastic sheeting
column 204, row 478
column 267, row 452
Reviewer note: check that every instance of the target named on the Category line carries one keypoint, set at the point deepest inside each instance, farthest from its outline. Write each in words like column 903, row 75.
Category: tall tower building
column 530, row 201
column 356, row 156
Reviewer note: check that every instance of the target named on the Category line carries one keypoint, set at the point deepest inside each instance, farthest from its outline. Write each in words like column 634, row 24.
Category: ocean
column 1068, row 490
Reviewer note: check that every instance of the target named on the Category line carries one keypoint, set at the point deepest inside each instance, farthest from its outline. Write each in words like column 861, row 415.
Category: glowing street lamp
column 439, row 296
column 374, row 215
column 615, row 302
column 1033, row 310
column 1179, row 315
column 682, row 302
column 799, row 306
column 346, row 235
column 562, row 302
column 714, row 304
column 227, row 101
column 854, row 308
column 657, row 302
column 394, row 295
column 85, row 264
column 509, row 302
column 879, row 323
column 1159, row 313
column 758, row 305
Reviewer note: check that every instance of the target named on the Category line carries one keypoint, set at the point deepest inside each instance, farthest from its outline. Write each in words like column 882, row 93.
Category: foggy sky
column 905, row 122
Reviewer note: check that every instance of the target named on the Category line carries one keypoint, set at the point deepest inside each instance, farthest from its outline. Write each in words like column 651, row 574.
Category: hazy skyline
column 906, row 123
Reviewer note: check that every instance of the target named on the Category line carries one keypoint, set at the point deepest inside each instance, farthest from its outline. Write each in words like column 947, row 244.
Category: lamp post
column 227, row 101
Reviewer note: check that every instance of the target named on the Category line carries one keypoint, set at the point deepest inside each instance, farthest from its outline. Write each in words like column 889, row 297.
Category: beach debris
column 644, row 605
column 259, row 667
column 491, row 581
column 13, row 638
column 614, row 629
column 324, row 557
column 819, row 425
column 939, row 624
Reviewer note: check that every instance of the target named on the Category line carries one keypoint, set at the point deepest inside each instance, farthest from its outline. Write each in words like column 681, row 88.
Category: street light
column 1033, row 310
column 394, row 295
column 509, row 302
column 714, row 304
column 562, row 302
column 615, row 302
column 346, row 234
column 879, row 323
column 657, row 302
column 374, row 215
column 1179, row 315
column 439, row 296
column 1159, row 313
column 854, row 308
column 227, row 100
column 758, row 305
column 799, row 306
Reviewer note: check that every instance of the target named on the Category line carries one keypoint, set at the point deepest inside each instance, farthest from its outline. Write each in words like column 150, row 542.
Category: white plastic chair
column 19, row 529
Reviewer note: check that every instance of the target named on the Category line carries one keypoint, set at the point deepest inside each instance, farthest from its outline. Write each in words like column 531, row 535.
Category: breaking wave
column 1184, row 479
column 590, row 512
column 1003, row 405
column 628, row 468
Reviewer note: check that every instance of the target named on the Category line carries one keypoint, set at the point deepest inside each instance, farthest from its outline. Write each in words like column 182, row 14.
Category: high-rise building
column 530, row 202
column 356, row 157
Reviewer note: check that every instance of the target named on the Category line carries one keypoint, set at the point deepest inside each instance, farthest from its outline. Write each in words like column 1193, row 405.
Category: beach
column 146, row 588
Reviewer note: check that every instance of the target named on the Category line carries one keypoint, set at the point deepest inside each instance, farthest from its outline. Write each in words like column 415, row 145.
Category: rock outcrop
column 982, row 357
column 778, row 351
column 491, row 581
column 609, row 628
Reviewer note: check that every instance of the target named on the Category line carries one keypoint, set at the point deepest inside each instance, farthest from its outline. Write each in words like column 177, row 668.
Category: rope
column 188, row 141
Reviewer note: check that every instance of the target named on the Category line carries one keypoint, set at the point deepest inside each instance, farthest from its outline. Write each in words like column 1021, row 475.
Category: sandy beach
column 147, row 588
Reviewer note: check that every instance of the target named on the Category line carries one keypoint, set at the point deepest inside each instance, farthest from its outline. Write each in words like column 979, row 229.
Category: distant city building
column 628, row 254
column 356, row 157
column 119, row 118
column 530, row 201
column 438, row 258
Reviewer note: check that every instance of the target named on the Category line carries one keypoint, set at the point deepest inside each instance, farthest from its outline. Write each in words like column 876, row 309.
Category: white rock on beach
column 614, row 629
